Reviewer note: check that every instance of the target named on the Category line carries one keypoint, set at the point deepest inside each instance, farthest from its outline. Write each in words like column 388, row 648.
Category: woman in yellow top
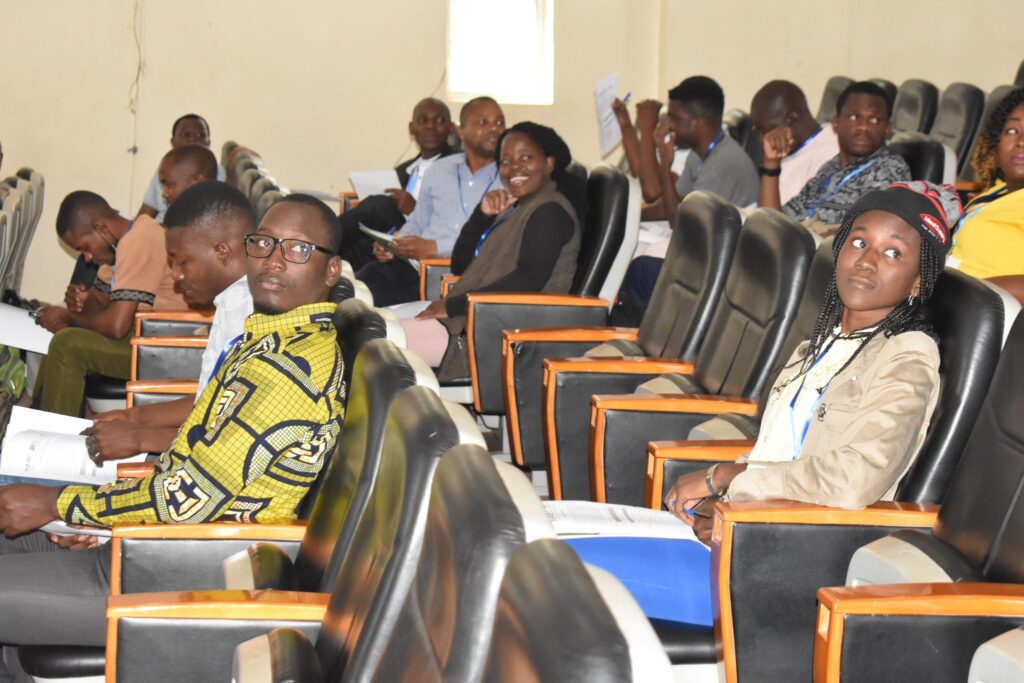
column 989, row 242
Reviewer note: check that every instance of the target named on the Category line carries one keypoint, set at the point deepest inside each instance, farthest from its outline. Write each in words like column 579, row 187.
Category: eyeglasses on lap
column 293, row 250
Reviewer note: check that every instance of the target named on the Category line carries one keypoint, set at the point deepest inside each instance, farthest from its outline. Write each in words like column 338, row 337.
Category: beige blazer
column 866, row 433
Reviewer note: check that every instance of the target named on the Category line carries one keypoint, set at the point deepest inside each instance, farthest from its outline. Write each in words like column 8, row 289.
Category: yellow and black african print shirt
column 255, row 440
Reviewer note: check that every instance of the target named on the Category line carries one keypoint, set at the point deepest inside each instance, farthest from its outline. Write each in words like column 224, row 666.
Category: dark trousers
column 635, row 294
column 377, row 212
column 392, row 282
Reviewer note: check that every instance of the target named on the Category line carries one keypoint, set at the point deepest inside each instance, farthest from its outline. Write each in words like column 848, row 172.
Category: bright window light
column 481, row 56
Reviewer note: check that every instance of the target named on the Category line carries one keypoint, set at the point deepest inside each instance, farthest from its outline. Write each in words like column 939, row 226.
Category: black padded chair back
column 888, row 86
column 552, row 624
column 578, row 170
column 968, row 320
column 262, row 185
column 833, row 88
column 692, row 278
column 267, row 200
column 915, row 106
column 982, row 514
column 603, row 229
column 959, row 114
column 382, row 370
column 818, row 279
column 925, row 156
column 991, row 102
column 741, row 128
column 1019, row 80
column 377, row 572
column 762, row 293
column 357, row 324
column 343, row 290
column 474, row 525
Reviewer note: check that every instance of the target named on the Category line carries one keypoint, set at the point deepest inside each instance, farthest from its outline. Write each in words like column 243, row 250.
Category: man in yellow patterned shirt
column 249, row 450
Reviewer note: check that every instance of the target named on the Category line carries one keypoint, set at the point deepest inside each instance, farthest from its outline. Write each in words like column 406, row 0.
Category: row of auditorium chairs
column 919, row 115
column 21, row 204
column 379, row 577
column 246, row 171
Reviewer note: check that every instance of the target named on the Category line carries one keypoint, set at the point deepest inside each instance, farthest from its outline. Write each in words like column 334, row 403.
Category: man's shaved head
column 195, row 159
column 778, row 103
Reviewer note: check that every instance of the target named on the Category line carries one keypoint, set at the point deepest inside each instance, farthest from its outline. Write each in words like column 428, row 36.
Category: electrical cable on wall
column 133, row 96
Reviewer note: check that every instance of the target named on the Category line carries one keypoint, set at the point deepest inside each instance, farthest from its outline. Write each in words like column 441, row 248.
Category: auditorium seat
column 833, row 88
column 746, row 334
column 739, row 126
column 915, row 106
column 991, row 102
column 267, row 200
column 925, row 156
column 920, row 601
column 37, row 190
column 810, row 546
column 888, row 86
column 674, row 326
column 260, row 186
column 198, row 631
column 958, row 118
column 1019, row 80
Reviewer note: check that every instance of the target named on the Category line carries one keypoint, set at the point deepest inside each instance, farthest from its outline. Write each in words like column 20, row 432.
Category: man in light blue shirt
column 451, row 189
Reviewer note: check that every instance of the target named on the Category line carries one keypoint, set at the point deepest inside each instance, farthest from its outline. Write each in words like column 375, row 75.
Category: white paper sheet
column 607, row 126
column 18, row 329
column 578, row 517
column 367, row 183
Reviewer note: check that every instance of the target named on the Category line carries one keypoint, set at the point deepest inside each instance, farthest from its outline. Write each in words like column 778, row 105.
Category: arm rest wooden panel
column 969, row 186
column 674, row 403
column 658, row 452
column 640, row 365
column 791, row 512
column 446, row 283
column 179, row 342
column 910, row 599
column 135, row 470
column 220, row 604
column 569, row 334
column 162, row 386
column 215, row 530
column 425, row 265
column 534, row 299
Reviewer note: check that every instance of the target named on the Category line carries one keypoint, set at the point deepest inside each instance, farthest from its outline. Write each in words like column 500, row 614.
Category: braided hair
column 985, row 161
column 551, row 143
column 909, row 315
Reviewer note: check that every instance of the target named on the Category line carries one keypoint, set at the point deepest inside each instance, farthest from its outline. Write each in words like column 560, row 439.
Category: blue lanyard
column 711, row 147
column 458, row 177
column 816, row 205
column 223, row 354
column 483, row 238
column 804, row 143
column 414, row 180
column 799, row 435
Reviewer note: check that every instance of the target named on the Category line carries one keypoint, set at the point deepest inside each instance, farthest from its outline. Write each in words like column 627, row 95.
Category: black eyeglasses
column 293, row 251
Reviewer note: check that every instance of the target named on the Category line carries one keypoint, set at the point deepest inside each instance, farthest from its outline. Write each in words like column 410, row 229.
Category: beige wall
column 320, row 87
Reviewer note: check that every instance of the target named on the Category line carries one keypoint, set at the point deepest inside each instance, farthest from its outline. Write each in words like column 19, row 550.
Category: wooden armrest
column 534, row 299
column 220, row 604
column 446, row 283
column 424, row 266
column 908, row 599
column 569, row 334
column 181, row 342
column 135, row 470
column 792, row 512
column 214, row 530
column 674, row 403
column 638, row 365
column 191, row 315
column 659, row 452
column 162, row 386
column 968, row 185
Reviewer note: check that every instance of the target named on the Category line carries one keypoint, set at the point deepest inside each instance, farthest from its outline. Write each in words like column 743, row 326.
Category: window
column 501, row 48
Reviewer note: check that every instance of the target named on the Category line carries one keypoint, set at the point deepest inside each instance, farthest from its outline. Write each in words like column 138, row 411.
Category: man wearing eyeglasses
column 248, row 451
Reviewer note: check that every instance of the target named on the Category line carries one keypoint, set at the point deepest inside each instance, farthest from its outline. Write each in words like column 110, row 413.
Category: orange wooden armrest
column 969, row 185
column 214, row 530
column 534, row 299
column 192, row 342
column 659, row 452
column 162, row 386
column 638, row 365
column 424, row 263
column 903, row 600
column 446, row 283
column 578, row 334
column 135, row 470
column 348, row 194
column 674, row 403
column 792, row 512
column 220, row 604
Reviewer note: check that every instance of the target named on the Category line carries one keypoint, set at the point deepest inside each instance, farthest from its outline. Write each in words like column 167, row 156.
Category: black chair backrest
column 968, row 320
column 888, row 86
column 226, row 149
column 959, row 114
column 925, row 156
column 381, row 372
column 982, row 514
column 603, row 229
column 473, row 528
column 991, row 102
column 833, row 88
column 1019, row 80
column 818, row 278
column 915, row 105
column 762, row 293
column 552, row 623
column 343, row 290
column 741, row 128
column 357, row 324
column 267, row 200
column 377, row 572
column 692, row 278
column 261, row 186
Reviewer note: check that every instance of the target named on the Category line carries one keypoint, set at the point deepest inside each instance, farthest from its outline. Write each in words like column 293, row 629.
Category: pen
column 625, row 99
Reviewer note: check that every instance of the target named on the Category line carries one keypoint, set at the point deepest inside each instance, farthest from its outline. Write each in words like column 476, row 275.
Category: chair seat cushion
column 103, row 387
column 686, row 643
column 672, row 383
column 62, row 661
